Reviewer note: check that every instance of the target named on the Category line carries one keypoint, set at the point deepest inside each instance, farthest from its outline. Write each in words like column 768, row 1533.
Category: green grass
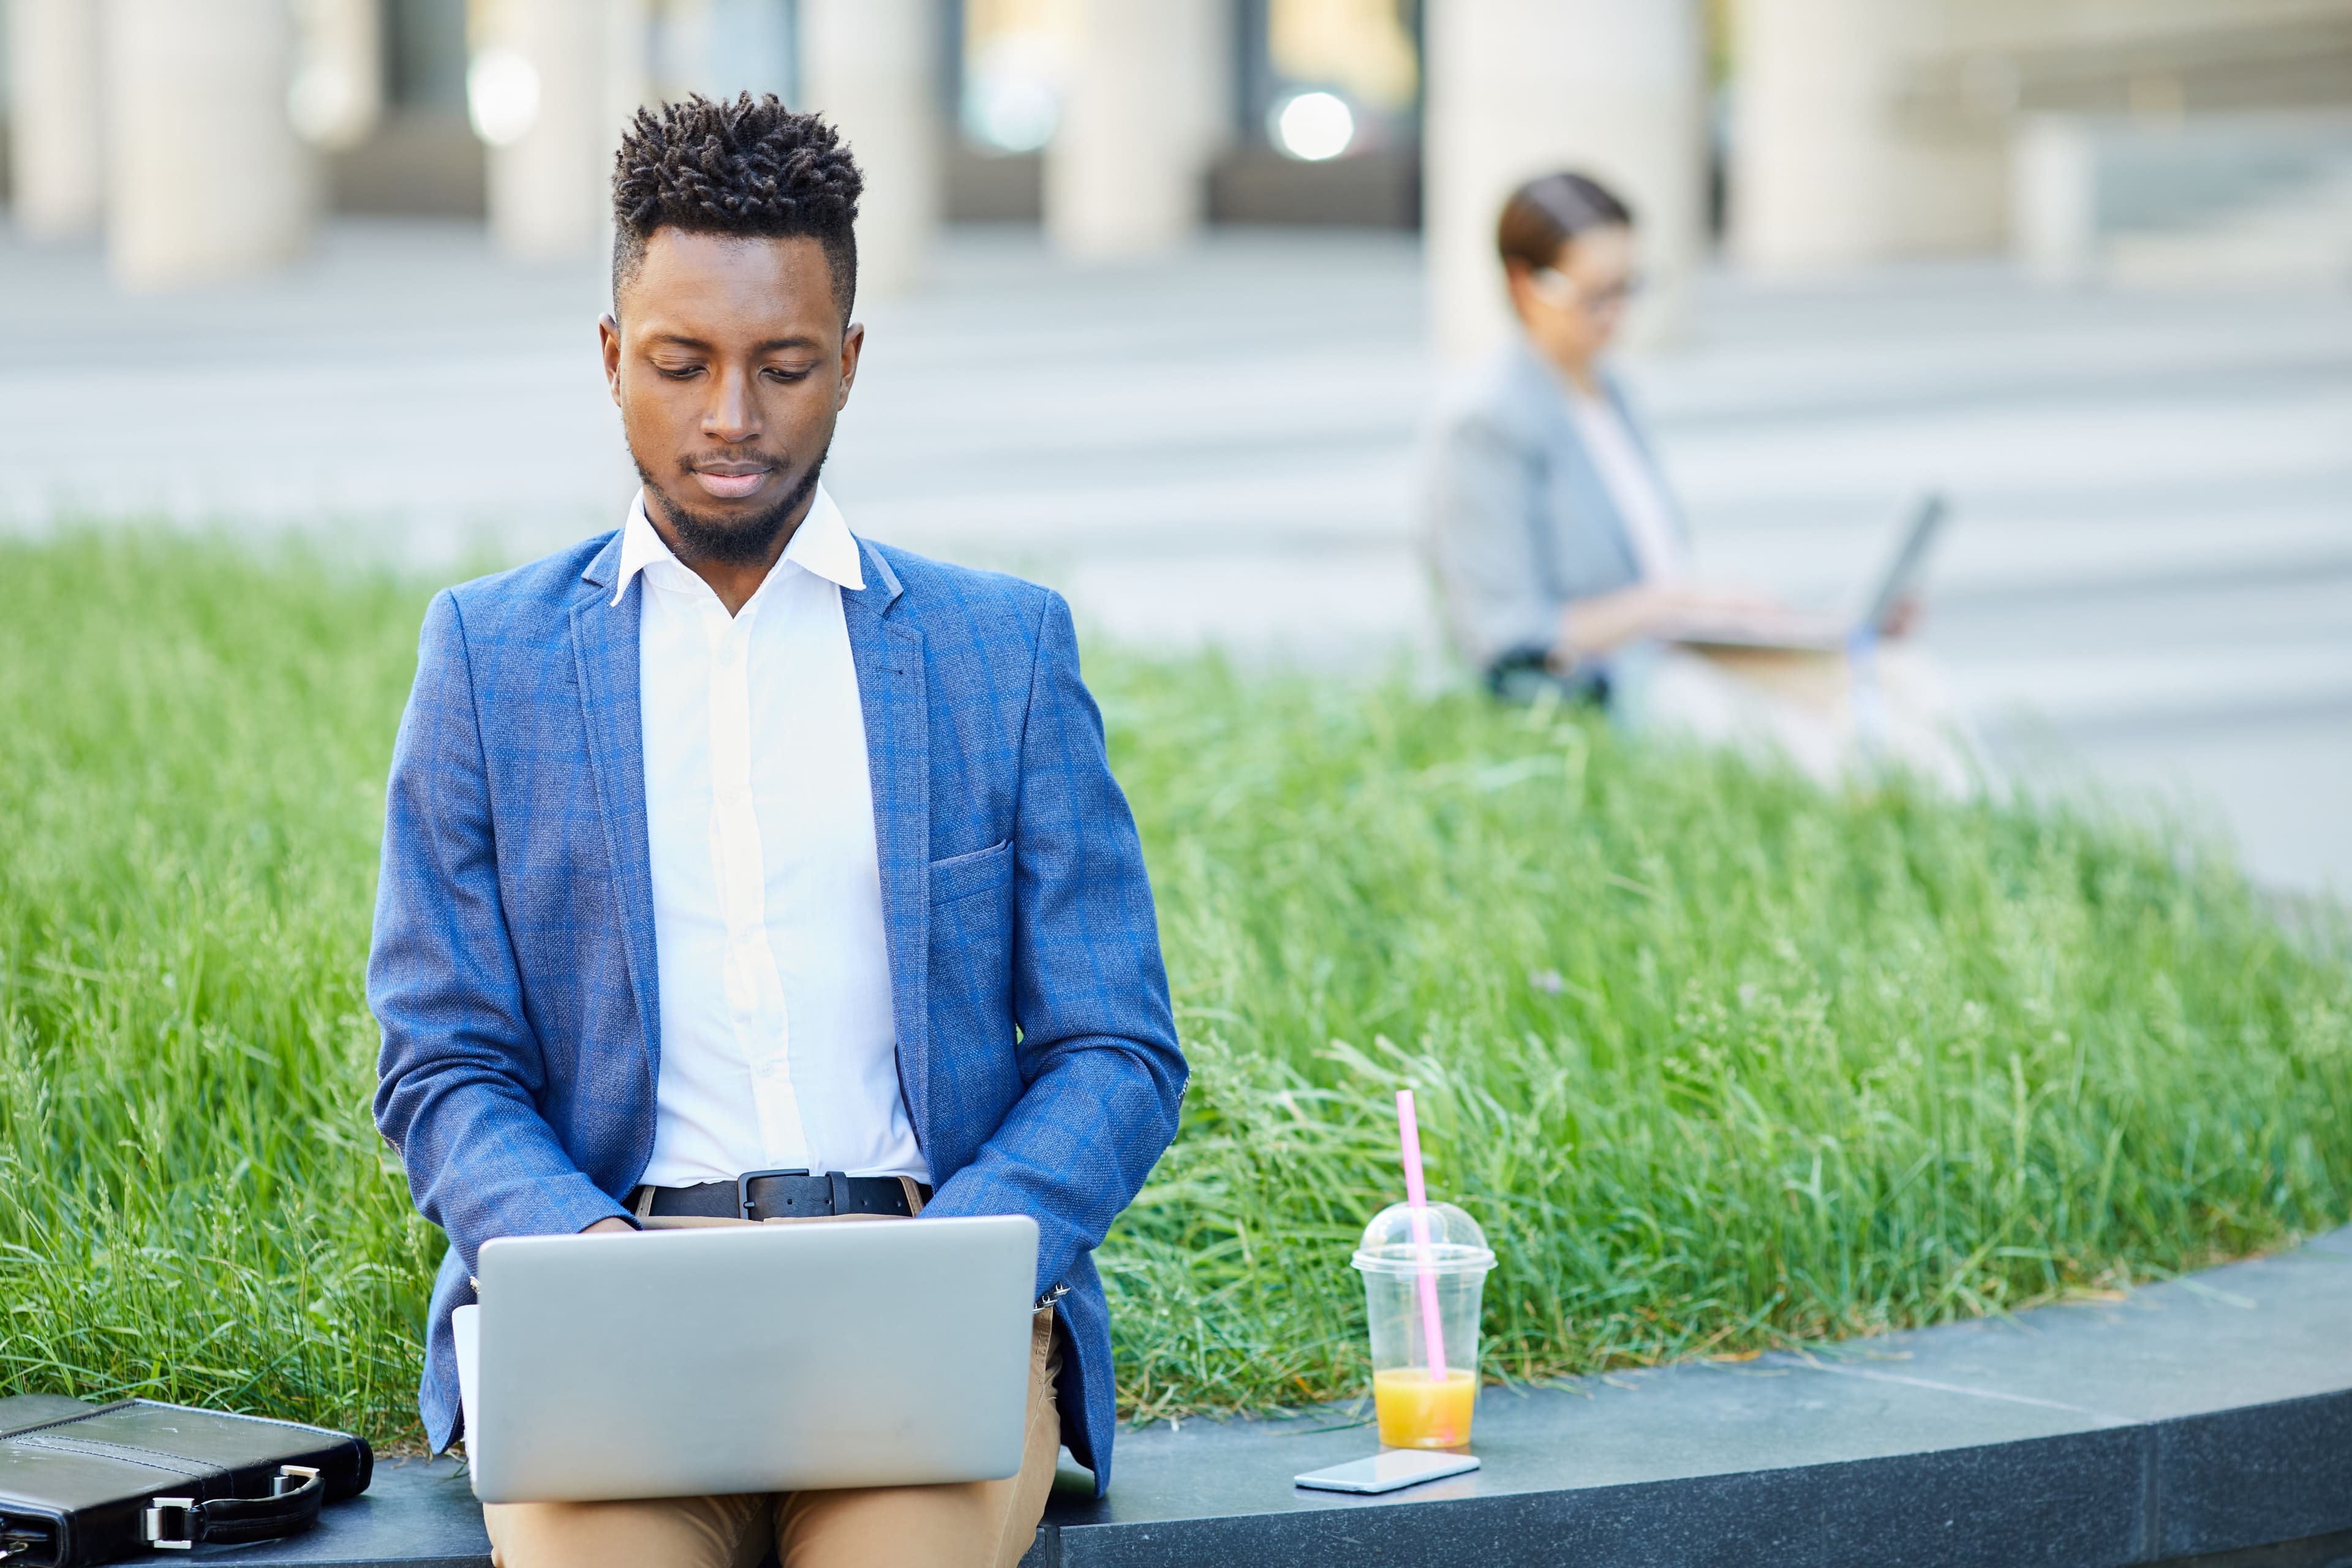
column 1719, row 1059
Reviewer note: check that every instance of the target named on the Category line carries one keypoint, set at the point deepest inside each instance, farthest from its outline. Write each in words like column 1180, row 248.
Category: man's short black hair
column 751, row 167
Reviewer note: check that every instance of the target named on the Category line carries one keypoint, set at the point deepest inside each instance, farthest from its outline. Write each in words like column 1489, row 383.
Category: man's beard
column 745, row 542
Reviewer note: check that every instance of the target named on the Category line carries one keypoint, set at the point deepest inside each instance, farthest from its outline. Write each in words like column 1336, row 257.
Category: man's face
column 729, row 364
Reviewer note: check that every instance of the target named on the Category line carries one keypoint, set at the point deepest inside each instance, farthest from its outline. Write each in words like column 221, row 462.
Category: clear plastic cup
column 1416, row 1409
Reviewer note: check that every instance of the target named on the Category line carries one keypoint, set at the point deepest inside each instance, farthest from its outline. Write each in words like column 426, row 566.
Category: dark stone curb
column 2206, row 1420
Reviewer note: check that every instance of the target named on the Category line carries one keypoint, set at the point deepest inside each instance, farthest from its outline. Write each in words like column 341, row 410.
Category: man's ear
column 852, row 343
column 608, row 338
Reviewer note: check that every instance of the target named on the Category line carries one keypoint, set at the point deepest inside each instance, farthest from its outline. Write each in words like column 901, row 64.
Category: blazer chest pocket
column 961, row 876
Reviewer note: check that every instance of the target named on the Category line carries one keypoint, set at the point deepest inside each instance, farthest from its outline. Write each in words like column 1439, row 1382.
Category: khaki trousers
column 974, row 1524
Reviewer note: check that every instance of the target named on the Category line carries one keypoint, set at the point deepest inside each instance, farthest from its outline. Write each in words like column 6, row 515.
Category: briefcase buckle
column 743, row 1187
column 151, row 1523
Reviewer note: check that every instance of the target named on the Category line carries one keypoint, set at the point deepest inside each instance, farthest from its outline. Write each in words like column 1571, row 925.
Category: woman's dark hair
column 751, row 167
column 1547, row 212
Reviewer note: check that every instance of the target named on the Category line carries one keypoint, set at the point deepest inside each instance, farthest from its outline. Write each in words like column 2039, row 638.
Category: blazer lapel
column 605, row 654
column 889, row 656
column 1564, row 448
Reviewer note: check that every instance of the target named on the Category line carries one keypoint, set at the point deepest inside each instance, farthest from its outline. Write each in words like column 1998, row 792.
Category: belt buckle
column 743, row 1187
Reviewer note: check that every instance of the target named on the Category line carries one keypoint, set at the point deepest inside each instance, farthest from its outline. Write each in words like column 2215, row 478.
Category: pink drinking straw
column 1416, row 1196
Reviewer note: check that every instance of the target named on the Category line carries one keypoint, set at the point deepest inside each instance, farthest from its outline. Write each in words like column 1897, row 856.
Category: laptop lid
column 1816, row 632
column 1903, row 574
column 751, row 1359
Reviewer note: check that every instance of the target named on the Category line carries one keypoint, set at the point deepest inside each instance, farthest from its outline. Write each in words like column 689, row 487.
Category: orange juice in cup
column 1422, row 1269
column 1417, row 1411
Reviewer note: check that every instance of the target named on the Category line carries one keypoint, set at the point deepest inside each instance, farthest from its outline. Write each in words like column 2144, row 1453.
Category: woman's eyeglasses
column 1560, row 289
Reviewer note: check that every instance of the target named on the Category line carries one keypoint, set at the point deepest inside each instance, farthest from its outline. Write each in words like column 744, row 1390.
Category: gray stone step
column 2206, row 1421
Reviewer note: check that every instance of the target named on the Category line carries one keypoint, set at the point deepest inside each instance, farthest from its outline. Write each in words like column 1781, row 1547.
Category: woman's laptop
column 747, row 1359
column 1800, row 631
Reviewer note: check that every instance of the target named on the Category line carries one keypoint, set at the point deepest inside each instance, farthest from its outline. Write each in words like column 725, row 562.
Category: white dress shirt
column 778, row 1048
column 1632, row 483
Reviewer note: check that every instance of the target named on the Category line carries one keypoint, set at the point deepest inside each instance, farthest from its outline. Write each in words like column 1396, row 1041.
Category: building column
column 1836, row 159
column 1147, row 105
column 337, row 93
column 1811, row 169
column 551, row 86
column 1613, row 89
column 205, row 177
column 56, row 143
column 872, row 68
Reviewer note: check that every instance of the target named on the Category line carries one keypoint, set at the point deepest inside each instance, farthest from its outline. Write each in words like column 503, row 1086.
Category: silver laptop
column 747, row 1359
column 1815, row 632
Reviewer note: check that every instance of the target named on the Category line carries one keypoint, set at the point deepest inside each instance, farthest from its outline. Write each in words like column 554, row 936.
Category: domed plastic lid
column 1456, row 1245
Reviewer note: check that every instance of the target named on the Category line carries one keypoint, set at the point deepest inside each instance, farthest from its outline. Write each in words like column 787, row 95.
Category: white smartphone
column 1388, row 1469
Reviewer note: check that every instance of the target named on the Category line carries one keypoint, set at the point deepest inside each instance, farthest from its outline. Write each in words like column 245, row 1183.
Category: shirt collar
column 822, row 545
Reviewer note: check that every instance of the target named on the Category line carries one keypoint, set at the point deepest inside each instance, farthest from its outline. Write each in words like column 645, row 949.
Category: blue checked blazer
column 512, row 968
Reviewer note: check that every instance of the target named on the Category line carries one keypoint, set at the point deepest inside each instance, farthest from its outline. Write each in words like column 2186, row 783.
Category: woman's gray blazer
column 1515, row 519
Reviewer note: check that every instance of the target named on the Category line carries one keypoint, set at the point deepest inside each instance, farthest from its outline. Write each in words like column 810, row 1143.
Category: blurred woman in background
column 1562, row 563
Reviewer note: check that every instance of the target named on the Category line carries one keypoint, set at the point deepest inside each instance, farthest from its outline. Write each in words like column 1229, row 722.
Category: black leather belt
column 785, row 1194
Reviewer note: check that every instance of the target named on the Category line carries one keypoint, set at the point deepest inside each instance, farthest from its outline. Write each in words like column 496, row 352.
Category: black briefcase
column 83, row 1483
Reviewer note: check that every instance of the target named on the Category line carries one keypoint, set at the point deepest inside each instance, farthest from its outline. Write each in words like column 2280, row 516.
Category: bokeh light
column 502, row 96
column 1314, row 126
column 1013, row 102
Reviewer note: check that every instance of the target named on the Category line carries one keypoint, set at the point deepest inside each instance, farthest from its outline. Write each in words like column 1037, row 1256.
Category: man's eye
column 787, row 374
column 677, row 372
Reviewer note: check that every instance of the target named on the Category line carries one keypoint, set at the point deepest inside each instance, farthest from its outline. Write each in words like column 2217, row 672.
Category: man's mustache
column 749, row 457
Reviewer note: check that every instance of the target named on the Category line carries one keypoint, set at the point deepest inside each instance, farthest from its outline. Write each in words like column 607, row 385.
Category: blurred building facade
column 2135, row 138
column 2061, row 127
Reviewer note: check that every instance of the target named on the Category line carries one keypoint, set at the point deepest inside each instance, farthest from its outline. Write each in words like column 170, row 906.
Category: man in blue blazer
column 730, row 843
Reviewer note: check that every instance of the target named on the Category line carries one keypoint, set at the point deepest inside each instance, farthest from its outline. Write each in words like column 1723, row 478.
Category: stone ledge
column 2208, row 1415
column 2205, row 1421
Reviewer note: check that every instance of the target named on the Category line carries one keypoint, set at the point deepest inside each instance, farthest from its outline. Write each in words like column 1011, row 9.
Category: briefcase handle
column 179, row 1524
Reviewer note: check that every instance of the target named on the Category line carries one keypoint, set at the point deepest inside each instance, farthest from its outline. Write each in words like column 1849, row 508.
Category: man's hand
column 609, row 1226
